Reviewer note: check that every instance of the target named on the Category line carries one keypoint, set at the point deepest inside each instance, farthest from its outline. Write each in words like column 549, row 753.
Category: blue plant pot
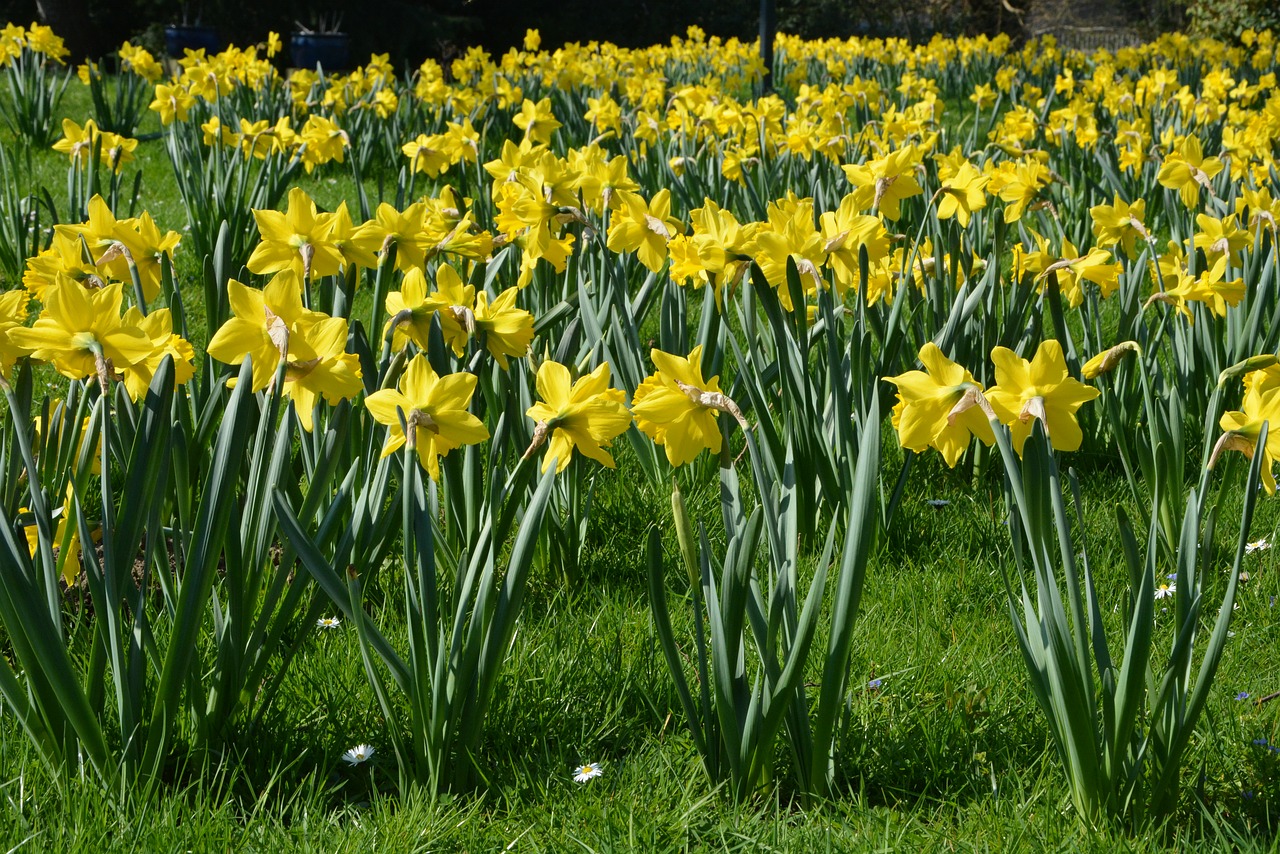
column 177, row 39
column 329, row 51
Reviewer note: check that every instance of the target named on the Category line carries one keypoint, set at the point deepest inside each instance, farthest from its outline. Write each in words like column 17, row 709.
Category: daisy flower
column 590, row 771
column 328, row 622
column 358, row 755
column 1166, row 590
column 1256, row 546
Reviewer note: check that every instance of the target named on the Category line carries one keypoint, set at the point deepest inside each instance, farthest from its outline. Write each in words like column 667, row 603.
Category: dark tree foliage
column 411, row 30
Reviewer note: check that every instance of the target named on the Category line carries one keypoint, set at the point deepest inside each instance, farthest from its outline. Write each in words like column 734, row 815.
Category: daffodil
column 790, row 233
column 319, row 367
column 677, row 408
column 403, row 229
column 158, row 327
column 77, row 141
column 721, row 249
column 1072, row 270
column 939, row 407
column 1041, row 388
column 322, row 142
column 66, row 537
column 962, row 194
column 1243, row 429
column 845, row 233
column 435, row 407
column 1019, row 184
column 644, row 228
column 1106, row 361
column 1119, row 222
column 884, row 182
column 42, row 39
column 427, row 154
column 585, row 415
column 298, row 238
column 119, row 247
column 13, row 314
column 343, row 234
column 82, row 333
column 507, row 329
column 512, row 160
column 537, row 120
column 173, row 102
column 99, row 233
column 64, row 259
column 148, row 250
column 216, row 133
column 412, row 309
column 1222, row 240
column 261, row 325
column 1187, row 170
column 141, row 62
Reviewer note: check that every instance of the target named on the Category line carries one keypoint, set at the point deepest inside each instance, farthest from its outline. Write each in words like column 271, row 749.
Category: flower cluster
column 943, row 407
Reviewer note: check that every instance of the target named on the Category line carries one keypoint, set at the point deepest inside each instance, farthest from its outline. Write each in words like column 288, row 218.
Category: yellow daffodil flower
column 644, row 228
column 158, row 327
column 962, row 194
column 13, row 314
column 844, row 233
column 1040, row 389
column 507, row 329
column 262, row 325
column 585, row 415
column 537, row 121
column 677, row 408
column 1244, row 426
column 296, row 239
column 404, row 229
column 1187, row 170
column 319, row 366
column 427, row 154
column 412, row 309
column 82, row 333
column 435, row 407
column 937, row 407
column 884, row 182
column 1120, row 223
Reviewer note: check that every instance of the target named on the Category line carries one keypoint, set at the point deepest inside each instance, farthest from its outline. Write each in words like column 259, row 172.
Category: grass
column 949, row 751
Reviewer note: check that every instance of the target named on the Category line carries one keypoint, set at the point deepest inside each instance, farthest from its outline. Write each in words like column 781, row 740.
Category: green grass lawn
column 948, row 751
column 945, row 751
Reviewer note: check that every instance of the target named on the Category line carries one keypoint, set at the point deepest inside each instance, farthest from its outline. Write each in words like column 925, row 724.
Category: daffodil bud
column 1106, row 361
column 1253, row 363
column 684, row 534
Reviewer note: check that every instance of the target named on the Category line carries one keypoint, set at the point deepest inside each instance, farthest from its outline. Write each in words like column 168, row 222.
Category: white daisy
column 590, row 771
column 1166, row 590
column 358, row 755
column 1256, row 546
column 328, row 622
